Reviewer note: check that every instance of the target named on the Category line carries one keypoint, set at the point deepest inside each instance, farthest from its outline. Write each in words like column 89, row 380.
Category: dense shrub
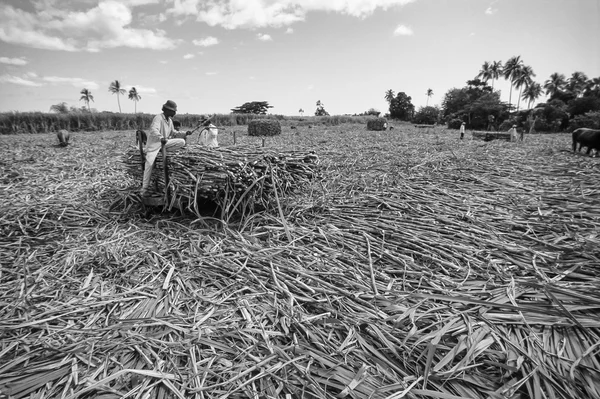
column 589, row 119
column 264, row 127
column 454, row 123
column 426, row 116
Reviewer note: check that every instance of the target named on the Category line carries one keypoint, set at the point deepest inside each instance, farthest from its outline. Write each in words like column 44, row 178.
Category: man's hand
column 188, row 133
column 163, row 141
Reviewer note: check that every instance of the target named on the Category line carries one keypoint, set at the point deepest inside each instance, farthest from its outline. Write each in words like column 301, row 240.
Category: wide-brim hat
column 204, row 119
column 170, row 105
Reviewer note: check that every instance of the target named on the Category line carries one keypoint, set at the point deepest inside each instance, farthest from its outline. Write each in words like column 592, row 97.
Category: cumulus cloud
column 264, row 37
column 107, row 25
column 289, row 30
column 18, row 81
column 13, row 61
column 490, row 10
column 188, row 56
column 403, row 30
column 206, row 42
column 142, row 89
column 232, row 14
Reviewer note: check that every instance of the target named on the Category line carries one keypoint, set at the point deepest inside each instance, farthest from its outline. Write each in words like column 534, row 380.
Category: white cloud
column 188, row 56
column 264, row 37
column 107, row 25
column 18, row 81
column 183, row 7
column 232, row 14
column 491, row 11
column 289, row 30
column 206, row 42
column 76, row 82
column 13, row 61
column 142, row 89
column 211, row 73
column 403, row 30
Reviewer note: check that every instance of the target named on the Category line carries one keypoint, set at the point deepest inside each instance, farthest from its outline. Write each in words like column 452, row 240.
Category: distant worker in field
column 158, row 136
column 462, row 130
column 513, row 133
column 491, row 123
column 208, row 134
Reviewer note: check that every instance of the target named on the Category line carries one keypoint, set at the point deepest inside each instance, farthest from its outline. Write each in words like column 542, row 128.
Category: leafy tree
column 86, row 96
column 320, row 111
column 135, row 97
column 427, row 115
column 593, row 87
column 389, row 96
column 60, row 108
column 532, row 92
column 372, row 112
column 583, row 105
column 115, row 88
column 401, row 107
column 301, row 112
column 475, row 103
column 555, row 85
column 429, row 94
column 254, row 107
column 510, row 71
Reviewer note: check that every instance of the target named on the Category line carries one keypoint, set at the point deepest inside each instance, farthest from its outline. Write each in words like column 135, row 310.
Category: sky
column 210, row 56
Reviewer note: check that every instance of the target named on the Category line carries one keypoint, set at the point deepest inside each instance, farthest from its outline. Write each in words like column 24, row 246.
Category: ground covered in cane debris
column 420, row 266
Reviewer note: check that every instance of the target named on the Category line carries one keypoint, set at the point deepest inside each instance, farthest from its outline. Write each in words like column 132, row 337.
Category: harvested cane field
column 416, row 266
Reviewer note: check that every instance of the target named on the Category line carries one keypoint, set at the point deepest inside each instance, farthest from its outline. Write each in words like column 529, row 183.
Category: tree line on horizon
column 570, row 100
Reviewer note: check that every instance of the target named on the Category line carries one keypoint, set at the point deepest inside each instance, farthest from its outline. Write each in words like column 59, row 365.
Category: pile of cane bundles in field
column 377, row 124
column 236, row 178
column 489, row 136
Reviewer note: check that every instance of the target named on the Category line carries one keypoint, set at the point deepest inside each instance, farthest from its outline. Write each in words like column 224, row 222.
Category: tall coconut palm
column 389, row 96
column 510, row 71
column 135, row 97
column 496, row 71
column 485, row 73
column 429, row 94
column 533, row 90
column 555, row 84
column 523, row 77
column 577, row 83
column 115, row 88
column 593, row 87
column 86, row 97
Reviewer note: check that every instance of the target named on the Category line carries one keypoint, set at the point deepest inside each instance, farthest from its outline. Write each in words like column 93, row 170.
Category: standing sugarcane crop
column 160, row 130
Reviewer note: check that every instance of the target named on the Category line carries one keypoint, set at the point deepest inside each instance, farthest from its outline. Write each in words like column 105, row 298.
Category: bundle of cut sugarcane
column 227, row 175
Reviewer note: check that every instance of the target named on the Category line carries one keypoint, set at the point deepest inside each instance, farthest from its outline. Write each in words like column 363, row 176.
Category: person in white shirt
column 462, row 130
column 208, row 134
column 513, row 133
column 160, row 130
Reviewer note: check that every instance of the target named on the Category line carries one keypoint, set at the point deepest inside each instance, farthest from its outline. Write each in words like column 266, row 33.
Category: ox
column 586, row 137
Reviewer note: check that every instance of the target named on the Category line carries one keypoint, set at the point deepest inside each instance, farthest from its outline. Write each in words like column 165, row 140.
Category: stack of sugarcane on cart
column 234, row 179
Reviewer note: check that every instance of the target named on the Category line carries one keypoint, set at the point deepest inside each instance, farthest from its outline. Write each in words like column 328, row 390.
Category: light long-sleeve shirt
column 160, row 127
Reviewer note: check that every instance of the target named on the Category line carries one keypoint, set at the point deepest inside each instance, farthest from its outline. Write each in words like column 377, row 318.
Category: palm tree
column 133, row 95
column 577, row 83
column 389, row 96
column 115, row 88
column 555, row 84
column 523, row 77
column 533, row 90
column 86, row 96
column 593, row 87
column 496, row 71
column 429, row 94
column 510, row 71
column 485, row 73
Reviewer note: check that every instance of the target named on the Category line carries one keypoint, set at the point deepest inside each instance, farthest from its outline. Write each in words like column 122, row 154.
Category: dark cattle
column 141, row 134
column 586, row 137
column 63, row 137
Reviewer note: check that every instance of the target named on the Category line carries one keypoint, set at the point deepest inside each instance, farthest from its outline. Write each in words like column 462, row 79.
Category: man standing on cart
column 160, row 130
